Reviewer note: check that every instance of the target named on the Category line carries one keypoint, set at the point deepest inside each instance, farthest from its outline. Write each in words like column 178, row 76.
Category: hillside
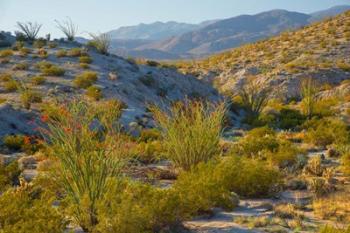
column 209, row 37
column 136, row 86
column 319, row 50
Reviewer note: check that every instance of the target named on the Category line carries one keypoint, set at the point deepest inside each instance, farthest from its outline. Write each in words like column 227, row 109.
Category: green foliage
column 94, row 92
column 11, row 85
column 149, row 135
column 52, row 70
column 329, row 229
column 38, row 80
column 85, row 59
column 6, row 53
column 29, row 29
column 101, row 42
column 21, row 66
column 68, row 28
column 191, row 132
column 13, row 142
column 248, row 177
column 75, row 52
column 87, row 155
column 24, row 210
column 85, row 79
column 309, row 90
column 61, row 53
column 40, row 43
column 289, row 119
column 9, row 175
column 326, row 131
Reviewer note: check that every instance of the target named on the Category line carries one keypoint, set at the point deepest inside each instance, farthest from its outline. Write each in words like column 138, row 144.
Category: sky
column 98, row 16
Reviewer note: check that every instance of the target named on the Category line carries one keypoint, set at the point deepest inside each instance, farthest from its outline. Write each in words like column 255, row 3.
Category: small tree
column 309, row 89
column 101, row 42
column 30, row 29
column 254, row 97
column 68, row 28
column 191, row 132
column 85, row 141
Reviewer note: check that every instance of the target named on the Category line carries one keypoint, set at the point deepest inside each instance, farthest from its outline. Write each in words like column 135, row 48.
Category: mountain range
column 173, row 40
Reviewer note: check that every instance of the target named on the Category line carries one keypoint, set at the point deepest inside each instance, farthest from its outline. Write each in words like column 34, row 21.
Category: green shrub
column 326, row 131
column 248, row 177
column 329, row 229
column 40, row 43
column 53, row 71
column 24, row 51
column 149, row 135
column 11, row 85
column 256, row 141
column 13, row 142
column 24, row 210
column 6, row 53
column 38, row 80
column 85, row 59
column 29, row 96
column 87, row 157
column 94, row 92
column 85, row 79
column 191, row 132
column 21, row 66
column 61, row 53
column 289, row 119
column 101, row 42
column 9, row 175
column 5, row 77
column 75, row 52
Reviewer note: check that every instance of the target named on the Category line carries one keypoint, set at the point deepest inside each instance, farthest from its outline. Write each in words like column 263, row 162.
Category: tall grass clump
column 101, row 42
column 86, row 143
column 30, row 29
column 191, row 132
column 68, row 28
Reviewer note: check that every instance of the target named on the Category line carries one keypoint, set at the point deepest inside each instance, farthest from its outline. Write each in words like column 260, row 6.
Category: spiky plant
column 254, row 97
column 101, row 42
column 30, row 29
column 85, row 141
column 309, row 89
column 68, row 28
column 191, row 132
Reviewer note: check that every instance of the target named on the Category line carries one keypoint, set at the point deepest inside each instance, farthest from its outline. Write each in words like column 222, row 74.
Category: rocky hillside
column 320, row 51
column 34, row 74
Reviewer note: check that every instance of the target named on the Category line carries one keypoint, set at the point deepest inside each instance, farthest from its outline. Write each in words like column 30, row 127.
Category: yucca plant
column 68, row 28
column 101, row 42
column 191, row 132
column 86, row 143
column 309, row 89
column 30, row 29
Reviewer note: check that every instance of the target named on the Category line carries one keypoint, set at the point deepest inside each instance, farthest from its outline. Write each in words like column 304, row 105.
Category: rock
column 7, row 159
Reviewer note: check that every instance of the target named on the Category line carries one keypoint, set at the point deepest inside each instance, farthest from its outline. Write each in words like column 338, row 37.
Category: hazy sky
column 104, row 15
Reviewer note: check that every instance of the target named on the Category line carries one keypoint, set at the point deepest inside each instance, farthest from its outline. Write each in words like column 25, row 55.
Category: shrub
column 85, row 59
column 24, row 51
column 85, row 79
column 38, row 80
column 52, row 45
column 29, row 29
column 248, row 177
column 11, row 85
column 152, row 63
column 68, row 28
column 343, row 66
column 84, row 65
column 29, row 96
column 94, row 92
column 40, row 43
column 101, row 42
column 330, row 229
column 24, row 210
column 6, row 53
column 309, row 89
column 256, row 141
column 52, row 71
column 326, row 131
column 21, row 66
column 87, row 155
column 147, row 80
column 5, row 77
column 149, row 135
column 14, row 142
column 191, row 132
column 289, row 119
column 61, row 53
column 75, row 52
column 9, row 175
column 42, row 53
